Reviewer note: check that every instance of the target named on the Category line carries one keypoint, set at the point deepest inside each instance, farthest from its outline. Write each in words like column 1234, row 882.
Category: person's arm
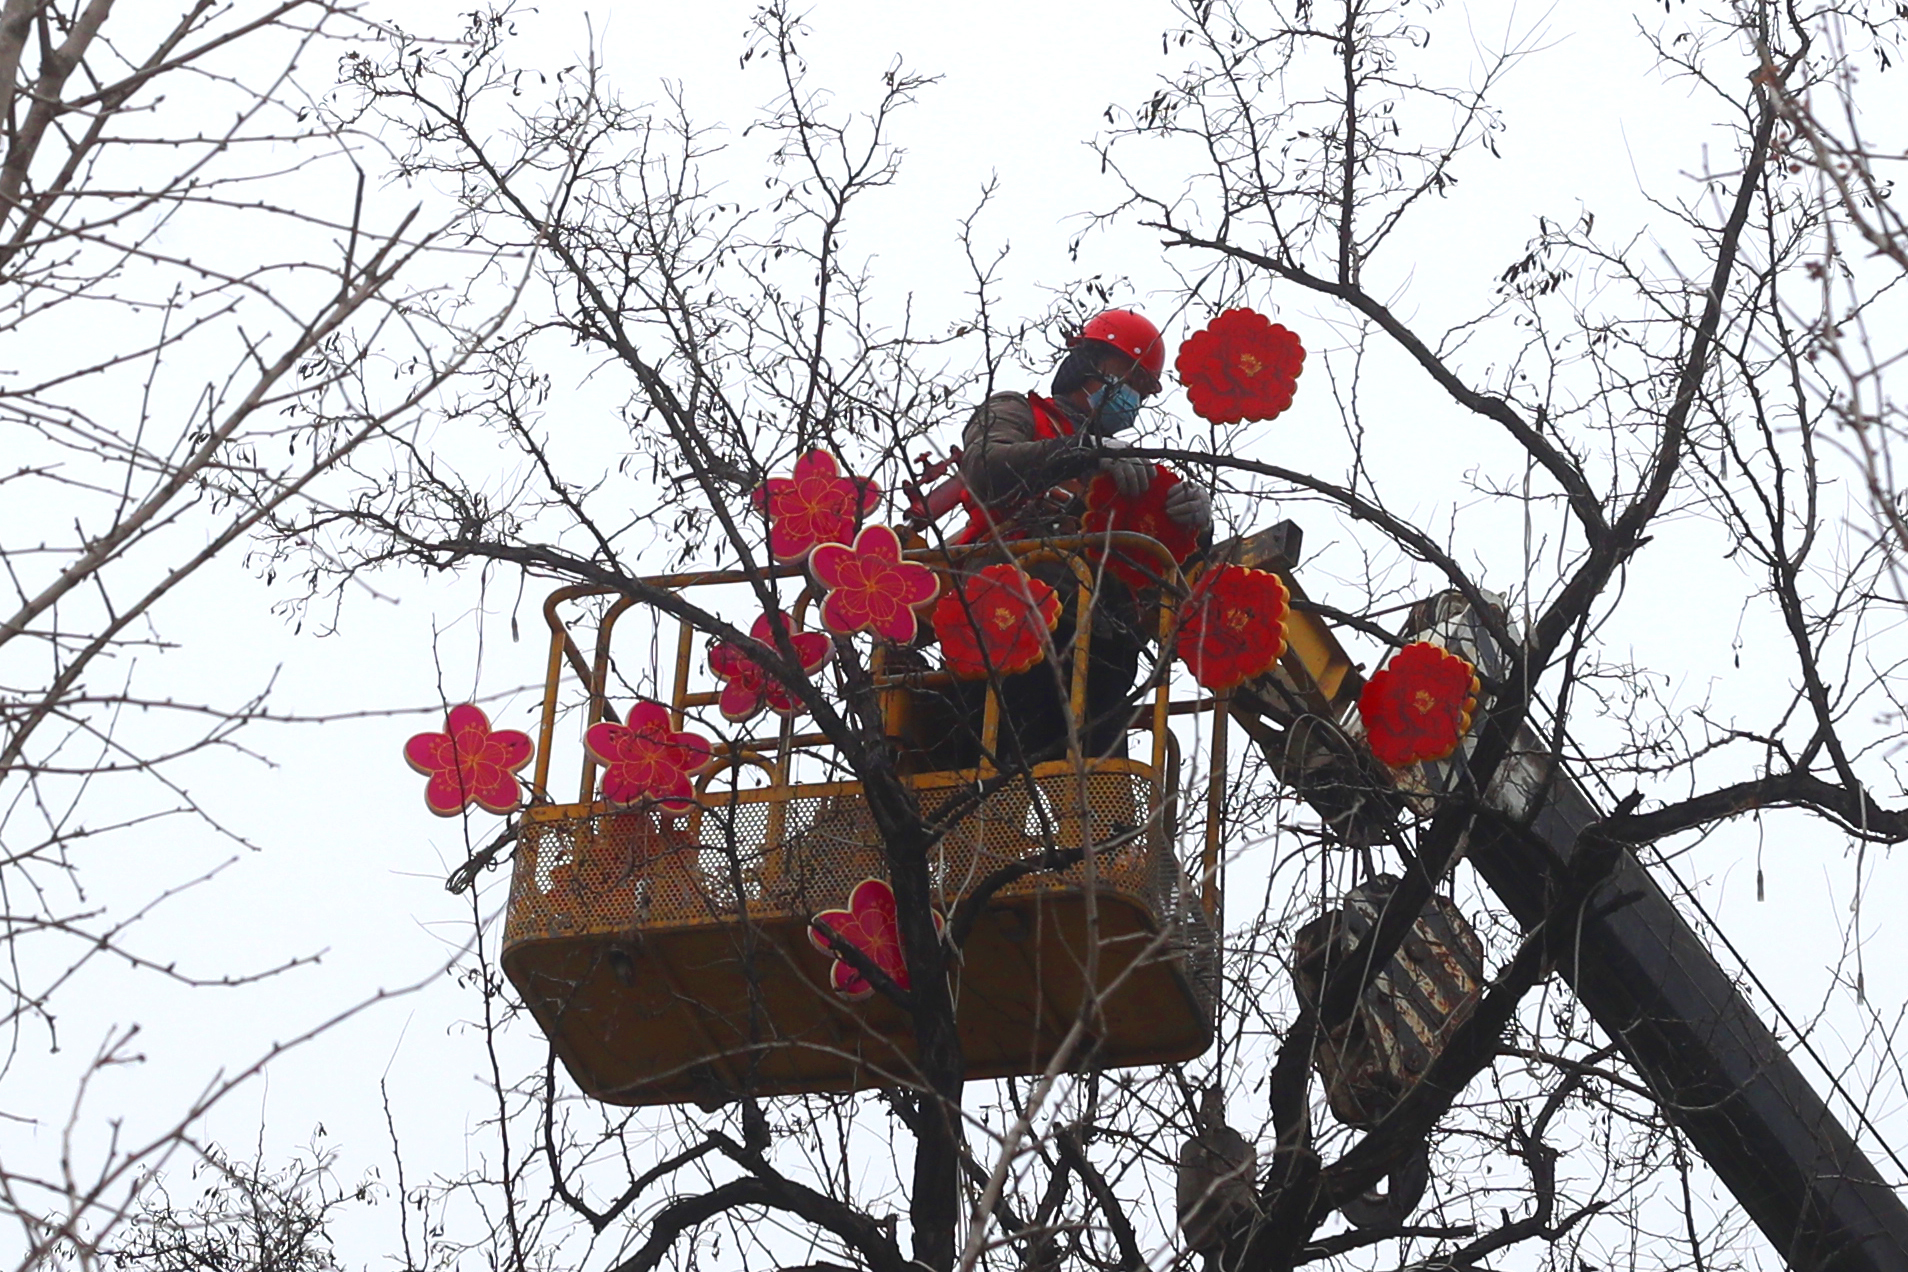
column 1002, row 461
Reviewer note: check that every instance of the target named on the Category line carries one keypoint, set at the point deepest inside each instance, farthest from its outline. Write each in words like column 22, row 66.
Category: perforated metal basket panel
column 663, row 900
column 1431, row 986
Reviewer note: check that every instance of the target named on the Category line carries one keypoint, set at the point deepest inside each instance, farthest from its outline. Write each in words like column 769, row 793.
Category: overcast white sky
column 351, row 863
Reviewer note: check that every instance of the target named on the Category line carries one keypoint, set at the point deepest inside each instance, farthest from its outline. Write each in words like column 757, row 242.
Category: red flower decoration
column 817, row 505
column 870, row 588
column 1233, row 628
column 870, row 926
column 643, row 760
column 1242, row 366
column 1107, row 509
column 468, row 764
column 747, row 688
column 995, row 621
column 1419, row 707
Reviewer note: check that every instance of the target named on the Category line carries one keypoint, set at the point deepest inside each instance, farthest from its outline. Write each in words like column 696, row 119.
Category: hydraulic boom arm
column 1653, row 985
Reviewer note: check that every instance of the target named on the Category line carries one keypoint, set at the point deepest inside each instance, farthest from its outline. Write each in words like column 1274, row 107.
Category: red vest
column 1049, row 422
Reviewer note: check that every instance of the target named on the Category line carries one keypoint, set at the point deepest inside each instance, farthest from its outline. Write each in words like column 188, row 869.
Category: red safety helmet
column 1133, row 336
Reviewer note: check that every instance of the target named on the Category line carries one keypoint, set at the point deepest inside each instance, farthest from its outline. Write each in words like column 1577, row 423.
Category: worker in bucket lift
column 1025, row 460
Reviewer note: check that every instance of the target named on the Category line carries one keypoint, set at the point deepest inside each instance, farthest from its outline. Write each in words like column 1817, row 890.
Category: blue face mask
column 1115, row 407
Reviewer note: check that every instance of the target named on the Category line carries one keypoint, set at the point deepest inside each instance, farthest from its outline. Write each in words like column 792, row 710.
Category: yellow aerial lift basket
column 668, row 957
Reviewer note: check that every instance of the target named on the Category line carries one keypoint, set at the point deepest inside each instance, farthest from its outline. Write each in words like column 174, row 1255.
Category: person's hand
column 1132, row 477
column 1189, row 506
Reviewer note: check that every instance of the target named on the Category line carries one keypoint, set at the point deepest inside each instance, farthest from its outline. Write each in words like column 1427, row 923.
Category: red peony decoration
column 1419, row 707
column 643, row 760
column 868, row 924
column 1242, row 366
column 817, row 505
column 995, row 621
column 1233, row 627
column 1107, row 509
column 747, row 688
column 870, row 588
column 468, row 764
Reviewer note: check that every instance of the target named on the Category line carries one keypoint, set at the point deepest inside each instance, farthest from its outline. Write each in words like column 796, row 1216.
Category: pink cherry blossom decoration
column 642, row 760
column 868, row 924
column 870, row 588
column 817, row 505
column 747, row 688
column 469, row 764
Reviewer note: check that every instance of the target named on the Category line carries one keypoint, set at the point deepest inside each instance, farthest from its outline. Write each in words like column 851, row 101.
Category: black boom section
column 1649, row 980
column 1719, row 1072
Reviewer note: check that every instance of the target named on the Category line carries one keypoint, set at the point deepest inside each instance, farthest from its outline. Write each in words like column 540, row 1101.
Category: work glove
column 1132, row 477
column 1189, row 506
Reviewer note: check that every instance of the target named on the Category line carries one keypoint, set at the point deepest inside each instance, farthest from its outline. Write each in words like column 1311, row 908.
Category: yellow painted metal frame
column 649, row 1004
